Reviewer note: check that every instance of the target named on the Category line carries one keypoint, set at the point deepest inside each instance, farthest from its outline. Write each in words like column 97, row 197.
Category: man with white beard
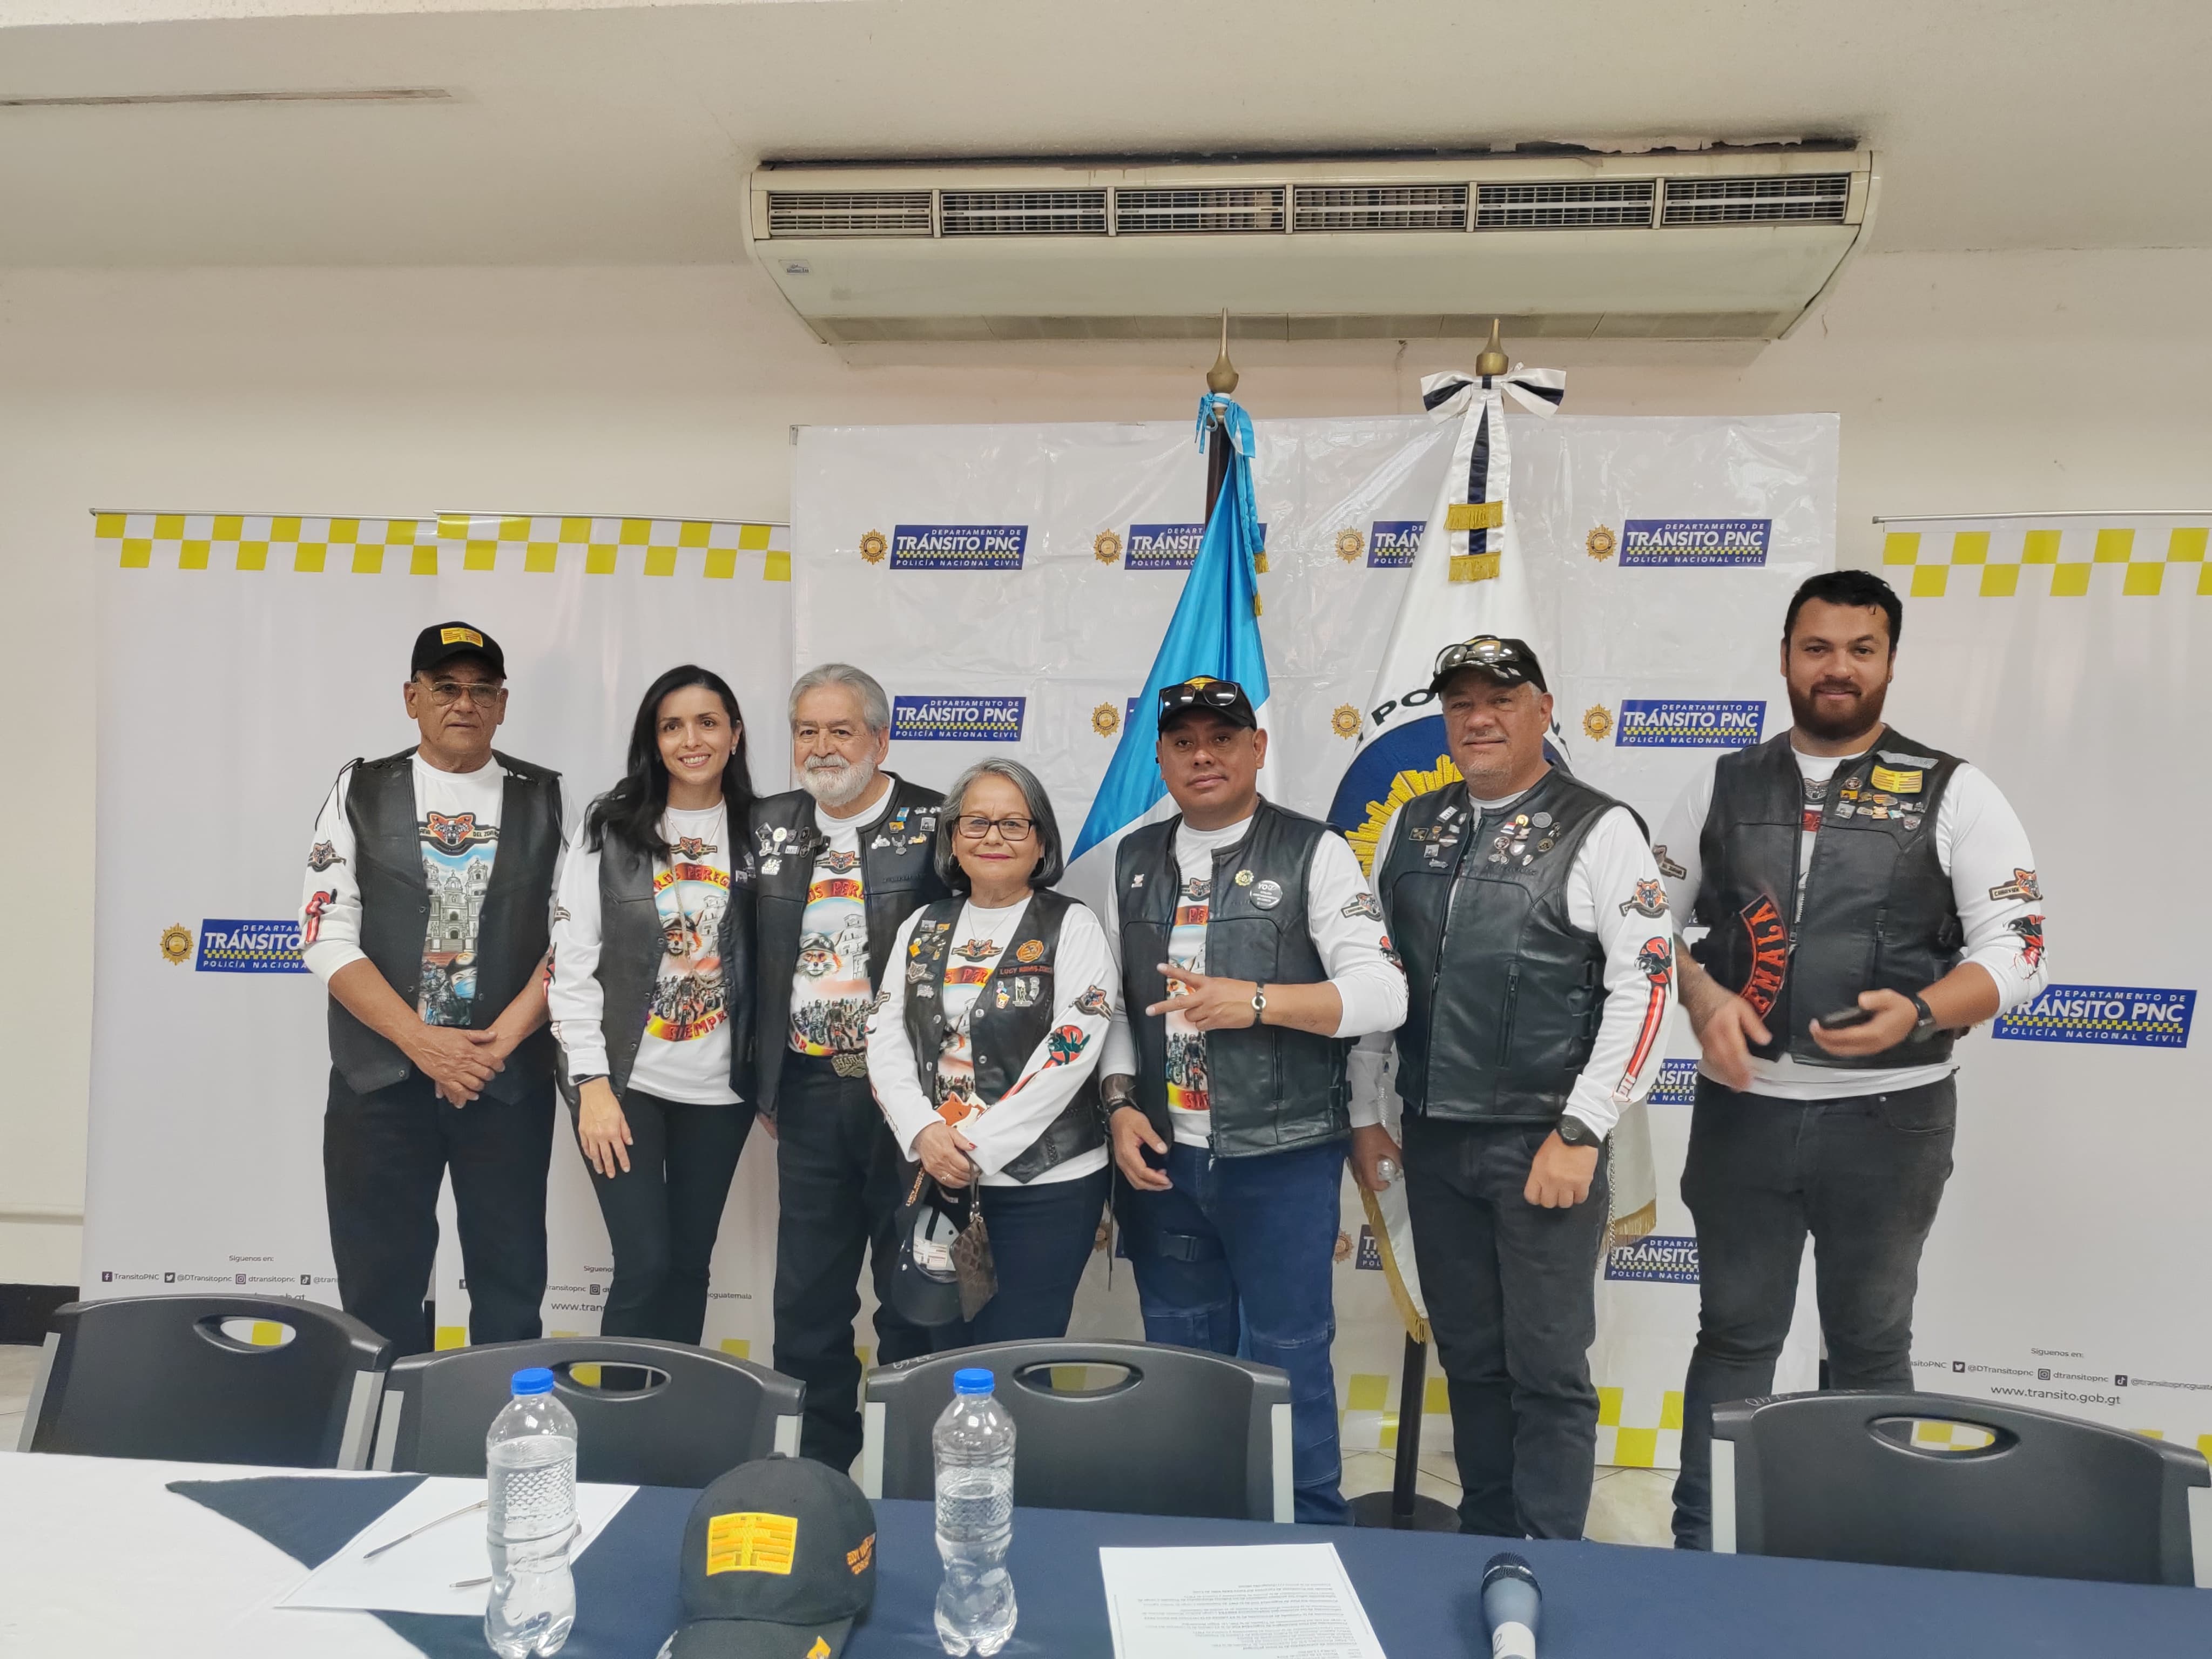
column 839, row 863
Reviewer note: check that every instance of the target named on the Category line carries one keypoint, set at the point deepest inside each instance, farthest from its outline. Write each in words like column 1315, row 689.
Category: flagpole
column 1221, row 378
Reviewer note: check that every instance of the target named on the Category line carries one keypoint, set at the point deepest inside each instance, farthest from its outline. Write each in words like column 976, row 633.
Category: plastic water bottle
column 975, row 1445
column 529, row 1458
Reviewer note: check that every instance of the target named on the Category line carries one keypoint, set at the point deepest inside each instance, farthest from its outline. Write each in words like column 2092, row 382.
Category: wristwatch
column 1924, row 1027
column 1260, row 1002
column 1573, row 1131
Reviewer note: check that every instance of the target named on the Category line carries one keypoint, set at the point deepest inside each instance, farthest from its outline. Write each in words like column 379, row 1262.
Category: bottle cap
column 973, row 1379
column 534, row 1379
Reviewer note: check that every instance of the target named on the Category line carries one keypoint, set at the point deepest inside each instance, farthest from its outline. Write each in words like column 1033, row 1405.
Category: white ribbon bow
column 1482, row 459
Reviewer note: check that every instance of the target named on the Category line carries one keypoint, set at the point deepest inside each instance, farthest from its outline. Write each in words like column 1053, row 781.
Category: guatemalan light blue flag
column 1215, row 632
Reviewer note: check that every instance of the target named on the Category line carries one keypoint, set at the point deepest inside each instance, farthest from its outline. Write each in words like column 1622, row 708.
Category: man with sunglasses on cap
column 1251, row 955
column 1529, row 909
column 427, row 912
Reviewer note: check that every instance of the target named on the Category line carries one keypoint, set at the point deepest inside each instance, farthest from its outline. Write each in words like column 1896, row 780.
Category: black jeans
column 1862, row 1175
column 384, row 1156
column 1511, row 1289
column 1041, row 1237
column 662, row 1213
column 839, row 1190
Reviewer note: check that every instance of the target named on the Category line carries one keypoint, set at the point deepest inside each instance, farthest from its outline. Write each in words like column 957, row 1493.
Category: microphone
column 1511, row 1603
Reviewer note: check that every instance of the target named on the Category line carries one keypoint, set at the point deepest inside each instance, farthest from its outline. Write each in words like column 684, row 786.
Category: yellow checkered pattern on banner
column 2028, row 561
column 1639, row 1429
column 1369, row 1420
column 446, row 542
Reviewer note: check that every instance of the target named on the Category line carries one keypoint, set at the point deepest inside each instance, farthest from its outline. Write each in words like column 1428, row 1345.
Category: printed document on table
column 419, row 1576
column 1252, row 1601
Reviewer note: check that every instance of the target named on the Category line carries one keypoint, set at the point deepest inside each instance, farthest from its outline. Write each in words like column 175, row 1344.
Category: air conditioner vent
column 1572, row 205
column 1804, row 198
column 1381, row 207
column 848, row 213
column 1023, row 212
column 1207, row 208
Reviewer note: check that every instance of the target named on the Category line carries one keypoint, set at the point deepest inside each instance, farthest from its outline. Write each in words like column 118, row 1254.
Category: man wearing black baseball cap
column 1529, row 912
column 427, row 910
column 778, row 1560
column 1234, row 915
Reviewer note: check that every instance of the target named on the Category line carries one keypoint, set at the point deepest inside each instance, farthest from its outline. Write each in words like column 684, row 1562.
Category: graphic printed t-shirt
column 830, row 989
column 457, row 820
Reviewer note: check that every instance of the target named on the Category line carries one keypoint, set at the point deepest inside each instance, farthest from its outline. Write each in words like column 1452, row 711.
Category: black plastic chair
column 1173, row 1431
column 208, row 1379
column 691, row 1415
column 1843, row 1477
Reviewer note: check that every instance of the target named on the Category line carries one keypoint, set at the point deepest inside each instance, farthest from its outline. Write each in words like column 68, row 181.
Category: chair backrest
column 1890, row 1478
column 208, row 1379
column 691, row 1414
column 1133, row 1428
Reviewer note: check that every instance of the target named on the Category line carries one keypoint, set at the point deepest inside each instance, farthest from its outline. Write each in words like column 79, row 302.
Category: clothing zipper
column 1506, row 1025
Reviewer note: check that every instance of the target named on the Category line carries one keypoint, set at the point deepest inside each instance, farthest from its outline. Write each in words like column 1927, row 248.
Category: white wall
column 1967, row 382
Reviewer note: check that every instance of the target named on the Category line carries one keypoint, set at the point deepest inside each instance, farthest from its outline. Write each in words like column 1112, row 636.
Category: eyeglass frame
column 962, row 821
column 477, row 693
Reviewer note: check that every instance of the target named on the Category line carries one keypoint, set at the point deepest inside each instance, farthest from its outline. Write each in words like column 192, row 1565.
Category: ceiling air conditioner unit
column 1701, row 245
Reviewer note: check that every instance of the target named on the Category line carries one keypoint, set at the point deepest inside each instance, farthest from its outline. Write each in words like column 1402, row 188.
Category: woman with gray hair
column 983, row 1053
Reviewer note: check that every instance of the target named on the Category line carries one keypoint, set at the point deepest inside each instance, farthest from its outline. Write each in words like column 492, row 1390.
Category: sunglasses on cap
column 1508, row 660
column 1200, row 694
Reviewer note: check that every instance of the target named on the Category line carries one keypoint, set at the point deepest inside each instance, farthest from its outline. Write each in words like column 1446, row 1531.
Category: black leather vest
column 1012, row 1015
column 1878, row 912
column 898, row 876
column 512, row 929
column 630, row 950
column 1272, row 1088
column 1504, row 993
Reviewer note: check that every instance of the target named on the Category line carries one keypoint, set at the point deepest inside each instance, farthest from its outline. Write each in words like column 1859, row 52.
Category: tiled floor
column 1628, row 1506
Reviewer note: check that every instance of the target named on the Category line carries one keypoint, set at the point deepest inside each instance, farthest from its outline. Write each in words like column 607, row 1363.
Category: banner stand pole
column 1402, row 1508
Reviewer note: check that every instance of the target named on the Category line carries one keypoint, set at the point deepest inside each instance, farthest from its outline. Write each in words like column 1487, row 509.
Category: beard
column 836, row 783
column 1862, row 715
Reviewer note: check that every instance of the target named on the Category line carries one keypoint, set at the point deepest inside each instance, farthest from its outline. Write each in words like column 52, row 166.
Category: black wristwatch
column 1575, row 1132
column 1924, row 1027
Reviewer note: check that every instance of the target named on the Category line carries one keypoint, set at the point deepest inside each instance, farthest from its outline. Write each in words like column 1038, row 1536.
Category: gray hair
column 1052, row 862
column 875, row 707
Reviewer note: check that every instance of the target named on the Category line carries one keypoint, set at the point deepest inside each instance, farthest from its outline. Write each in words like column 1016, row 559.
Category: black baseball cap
column 924, row 1286
column 443, row 641
column 779, row 1560
column 1223, row 697
column 1504, row 661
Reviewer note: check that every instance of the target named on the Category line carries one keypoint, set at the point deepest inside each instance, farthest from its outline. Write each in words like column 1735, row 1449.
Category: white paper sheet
column 1255, row 1602
column 418, row 1577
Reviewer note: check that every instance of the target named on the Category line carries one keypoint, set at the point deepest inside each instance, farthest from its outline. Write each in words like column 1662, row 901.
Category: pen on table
column 371, row 1555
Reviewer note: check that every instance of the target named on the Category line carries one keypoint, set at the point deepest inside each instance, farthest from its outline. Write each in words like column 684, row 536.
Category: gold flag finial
column 1493, row 360
column 1222, row 377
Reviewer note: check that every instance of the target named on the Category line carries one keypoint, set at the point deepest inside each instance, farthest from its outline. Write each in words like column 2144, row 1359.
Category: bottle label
column 751, row 1543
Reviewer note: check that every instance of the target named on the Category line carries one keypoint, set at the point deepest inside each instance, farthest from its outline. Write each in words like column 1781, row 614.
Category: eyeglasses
column 1485, row 652
column 1213, row 694
column 447, row 693
column 1012, row 831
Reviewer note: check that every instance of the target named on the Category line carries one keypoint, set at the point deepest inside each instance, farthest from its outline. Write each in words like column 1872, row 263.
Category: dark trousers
column 838, row 1178
column 1249, row 1244
column 1862, row 1175
column 1041, row 1237
column 384, row 1155
column 1512, row 1299
column 662, row 1213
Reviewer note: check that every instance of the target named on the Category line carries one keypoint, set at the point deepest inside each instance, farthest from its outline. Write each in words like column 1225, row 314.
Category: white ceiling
column 608, row 134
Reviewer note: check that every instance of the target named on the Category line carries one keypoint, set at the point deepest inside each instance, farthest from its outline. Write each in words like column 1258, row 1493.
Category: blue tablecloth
column 1421, row 1591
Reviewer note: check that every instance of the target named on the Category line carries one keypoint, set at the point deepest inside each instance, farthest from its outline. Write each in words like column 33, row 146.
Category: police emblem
column 1650, row 899
column 1599, row 544
column 1597, row 722
column 323, row 857
column 1094, row 1002
column 1350, row 545
column 874, row 547
column 1267, row 895
column 1106, row 547
column 1030, row 951
column 1344, row 722
column 1106, row 719
column 176, row 944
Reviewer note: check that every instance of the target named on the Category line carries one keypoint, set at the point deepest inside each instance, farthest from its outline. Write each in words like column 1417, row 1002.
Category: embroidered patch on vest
column 1770, row 955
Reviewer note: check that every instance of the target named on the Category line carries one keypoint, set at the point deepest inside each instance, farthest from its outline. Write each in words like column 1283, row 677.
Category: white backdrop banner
column 244, row 659
column 1011, row 586
column 2074, row 655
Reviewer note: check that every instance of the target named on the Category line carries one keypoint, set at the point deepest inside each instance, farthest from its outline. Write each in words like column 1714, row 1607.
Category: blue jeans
column 1255, row 1237
column 1041, row 1237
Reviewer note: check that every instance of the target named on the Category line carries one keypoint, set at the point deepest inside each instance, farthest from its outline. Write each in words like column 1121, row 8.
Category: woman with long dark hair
column 651, row 998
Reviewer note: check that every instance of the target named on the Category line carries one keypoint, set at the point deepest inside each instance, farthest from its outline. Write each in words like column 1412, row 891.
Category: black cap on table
column 779, row 1560
column 441, row 642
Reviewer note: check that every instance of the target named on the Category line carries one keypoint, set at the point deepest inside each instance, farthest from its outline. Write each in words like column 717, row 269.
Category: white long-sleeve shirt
column 1611, row 886
column 1979, row 844
column 1345, row 933
column 685, row 1053
column 1083, row 983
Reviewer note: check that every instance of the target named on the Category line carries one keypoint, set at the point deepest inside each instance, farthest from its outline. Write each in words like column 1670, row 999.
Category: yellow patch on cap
column 858, row 1559
column 751, row 1543
column 1200, row 679
column 459, row 637
column 819, row 1650
column 1897, row 783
